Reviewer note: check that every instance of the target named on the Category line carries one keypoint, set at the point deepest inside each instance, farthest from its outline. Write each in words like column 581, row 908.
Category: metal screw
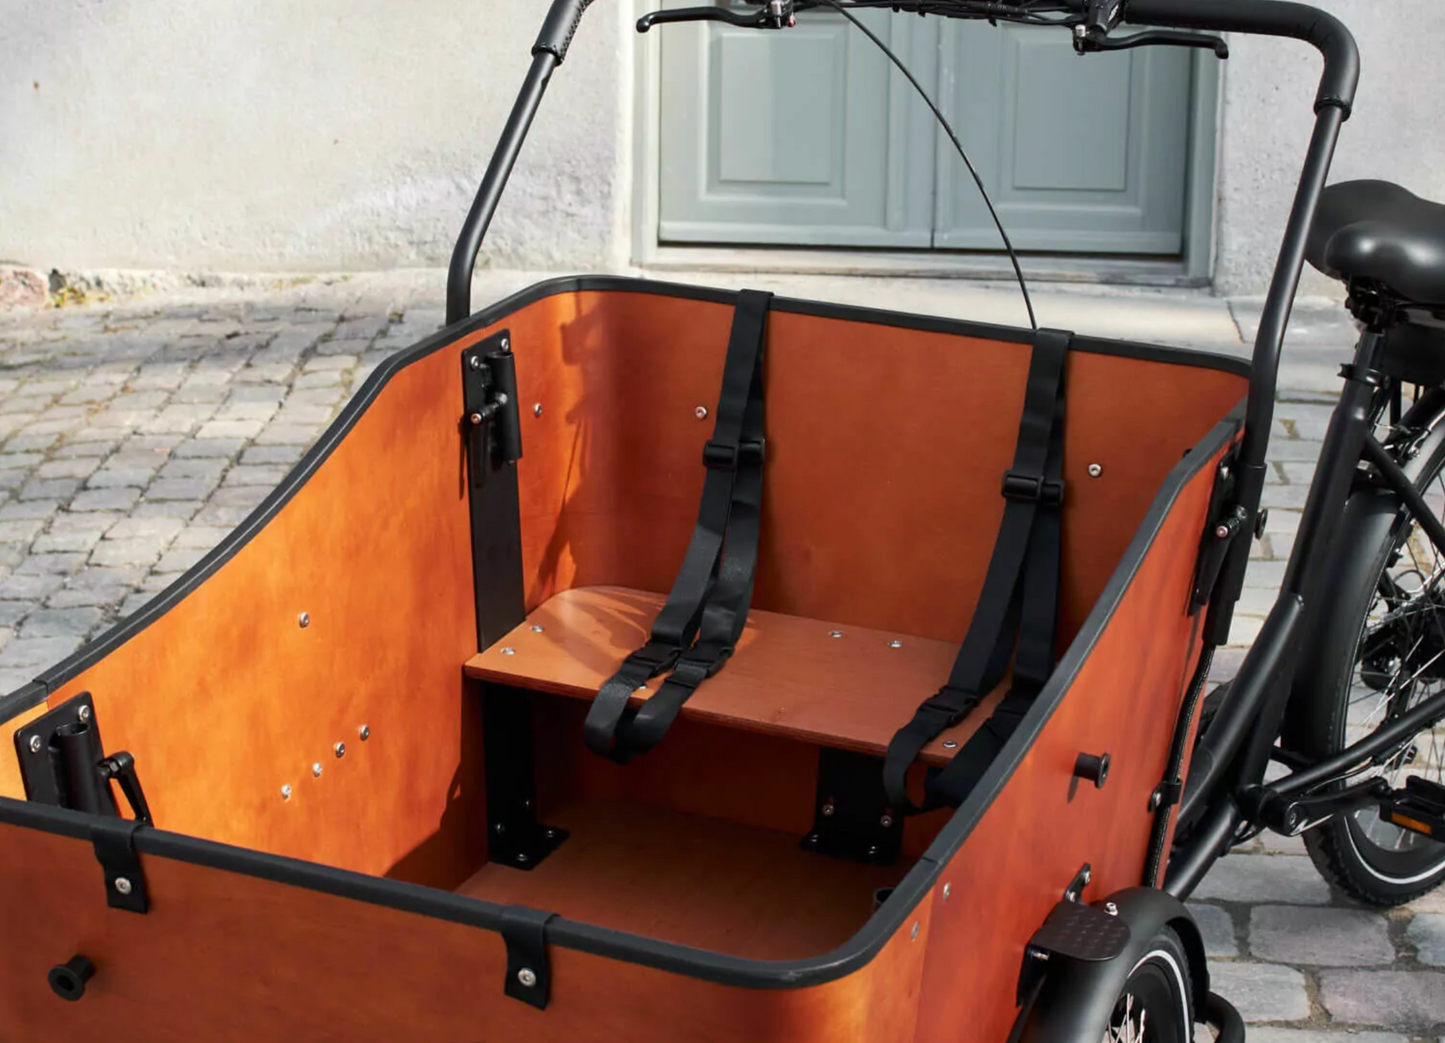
column 476, row 419
column 950, row 744
column 947, row 891
column 895, row 644
column 913, row 935
column 316, row 769
column 835, row 633
column 1224, row 470
column 538, row 629
column 509, row 651
column 1080, row 31
column 84, row 714
column 537, row 409
column 872, row 850
column 365, row 732
column 285, row 792
column 886, row 821
column 1222, row 531
column 1095, row 470
column 700, row 412
column 475, row 362
column 813, row 838
column 828, row 811
column 506, row 345
column 304, row 620
column 122, row 884
column 527, row 977
column 340, row 748
column 550, row 834
column 1111, row 909
column 521, row 859
column 1155, row 799
column 1086, row 876
column 35, row 744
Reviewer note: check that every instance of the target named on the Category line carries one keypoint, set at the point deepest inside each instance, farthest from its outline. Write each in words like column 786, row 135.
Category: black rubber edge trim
column 698, row 963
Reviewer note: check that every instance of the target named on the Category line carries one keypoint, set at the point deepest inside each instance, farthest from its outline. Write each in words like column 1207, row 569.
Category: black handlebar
column 1267, row 18
column 559, row 28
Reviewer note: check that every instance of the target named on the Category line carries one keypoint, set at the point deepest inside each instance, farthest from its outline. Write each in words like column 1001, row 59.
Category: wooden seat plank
column 789, row 676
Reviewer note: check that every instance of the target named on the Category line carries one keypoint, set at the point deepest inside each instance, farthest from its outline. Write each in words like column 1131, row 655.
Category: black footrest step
column 1419, row 807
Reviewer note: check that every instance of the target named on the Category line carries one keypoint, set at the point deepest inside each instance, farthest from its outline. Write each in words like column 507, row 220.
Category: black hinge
column 1225, row 521
column 529, row 972
column 852, row 818
column 491, row 423
column 125, row 882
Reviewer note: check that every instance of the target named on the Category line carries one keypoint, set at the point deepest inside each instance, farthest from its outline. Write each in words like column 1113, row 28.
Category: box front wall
column 1045, row 824
column 228, row 957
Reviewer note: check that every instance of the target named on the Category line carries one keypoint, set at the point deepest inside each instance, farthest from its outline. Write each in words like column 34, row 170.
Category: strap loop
column 1033, row 488
column 720, row 456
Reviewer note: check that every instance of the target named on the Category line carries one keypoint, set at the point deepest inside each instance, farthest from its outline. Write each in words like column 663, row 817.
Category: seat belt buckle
column 720, row 456
column 1033, row 488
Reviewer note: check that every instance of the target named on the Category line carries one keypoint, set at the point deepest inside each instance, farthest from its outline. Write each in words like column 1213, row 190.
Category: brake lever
column 1086, row 43
column 776, row 14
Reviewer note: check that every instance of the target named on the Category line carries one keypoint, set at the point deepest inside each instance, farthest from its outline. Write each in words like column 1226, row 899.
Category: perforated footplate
column 1081, row 932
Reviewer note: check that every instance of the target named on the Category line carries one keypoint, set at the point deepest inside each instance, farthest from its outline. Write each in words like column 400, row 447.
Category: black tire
column 1156, row 1004
column 1376, row 545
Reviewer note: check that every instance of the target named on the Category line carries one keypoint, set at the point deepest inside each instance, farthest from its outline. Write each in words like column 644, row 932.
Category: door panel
column 1084, row 155
column 800, row 137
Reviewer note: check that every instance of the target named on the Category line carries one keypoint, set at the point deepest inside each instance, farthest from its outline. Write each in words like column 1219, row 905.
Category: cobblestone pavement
column 136, row 435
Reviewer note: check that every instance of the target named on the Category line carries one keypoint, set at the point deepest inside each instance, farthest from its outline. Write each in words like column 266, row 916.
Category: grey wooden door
column 809, row 137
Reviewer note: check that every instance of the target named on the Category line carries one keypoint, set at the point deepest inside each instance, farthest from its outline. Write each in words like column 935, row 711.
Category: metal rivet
column 365, row 732
column 509, row 651
column 914, row 933
column 1111, row 909
column 835, row 633
column 1095, row 470
column 700, row 412
column 84, row 714
column 475, row 362
column 640, row 688
column 476, row 419
column 550, row 834
column 895, row 644
column 500, row 827
column 521, row 859
column 506, row 344
column 122, row 885
column 316, row 769
column 1155, row 799
column 886, row 821
column 527, row 977
column 947, row 891
column 872, row 850
column 285, row 792
column 35, row 744
column 1221, row 532
column 538, row 629
column 340, row 748
column 537, row 409
column 950, row 744
column 828, row 810
column 304, row 619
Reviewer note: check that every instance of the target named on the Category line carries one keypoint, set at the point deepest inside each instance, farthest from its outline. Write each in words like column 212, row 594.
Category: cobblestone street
column 137, row 434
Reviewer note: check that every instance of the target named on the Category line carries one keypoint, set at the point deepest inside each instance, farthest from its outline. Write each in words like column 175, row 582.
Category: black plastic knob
column 1092, row 769
column 68, row 979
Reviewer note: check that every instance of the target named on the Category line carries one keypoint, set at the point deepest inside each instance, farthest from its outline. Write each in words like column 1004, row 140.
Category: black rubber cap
column 67, row 980
column 1092, row 769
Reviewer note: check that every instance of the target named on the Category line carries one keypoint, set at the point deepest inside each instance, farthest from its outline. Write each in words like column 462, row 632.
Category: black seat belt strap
column 1034, row 490
column 732, row 455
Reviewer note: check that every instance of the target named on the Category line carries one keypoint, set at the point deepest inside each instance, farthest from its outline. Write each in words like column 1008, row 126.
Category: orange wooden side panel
column 1044, row 825
column 225, row 957
column 789, row 676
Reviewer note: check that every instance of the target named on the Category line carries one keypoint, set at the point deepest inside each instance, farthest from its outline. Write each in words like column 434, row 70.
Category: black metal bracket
column 1226, row 520
column 490, row 422
column 125, row 882
column 63, row 763
column 515, row 837
column 852, row 817
column 529, row 973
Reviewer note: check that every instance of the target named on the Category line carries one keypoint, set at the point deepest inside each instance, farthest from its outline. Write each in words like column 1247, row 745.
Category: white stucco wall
column 277, row 135
column 1397, row 132
column 299, row 134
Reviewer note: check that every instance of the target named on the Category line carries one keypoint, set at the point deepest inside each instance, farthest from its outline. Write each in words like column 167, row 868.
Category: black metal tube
column 1217, row 747
column 1400, row 482
column 1417, row 719
column 479, row 218
column 75, row 751
column 1192, row 859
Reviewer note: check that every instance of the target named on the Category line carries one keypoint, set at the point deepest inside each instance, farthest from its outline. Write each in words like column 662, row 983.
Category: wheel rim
column 1400, row 661
column 1152, row 1007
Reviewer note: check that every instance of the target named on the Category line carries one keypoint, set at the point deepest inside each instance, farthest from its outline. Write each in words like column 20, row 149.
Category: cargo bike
column 642, row 661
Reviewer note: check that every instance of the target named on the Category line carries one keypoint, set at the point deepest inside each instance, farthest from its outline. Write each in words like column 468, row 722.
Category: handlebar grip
column 1268, row 18
column 559, row 28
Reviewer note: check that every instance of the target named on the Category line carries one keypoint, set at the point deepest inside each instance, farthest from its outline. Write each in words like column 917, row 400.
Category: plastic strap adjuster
column 946, row 705
column 1033, row 488
column 720, row 456
column 651, row 659
column 698, row 664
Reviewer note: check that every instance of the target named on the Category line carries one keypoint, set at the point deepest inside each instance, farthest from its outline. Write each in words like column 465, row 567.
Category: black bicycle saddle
column 1379, row 231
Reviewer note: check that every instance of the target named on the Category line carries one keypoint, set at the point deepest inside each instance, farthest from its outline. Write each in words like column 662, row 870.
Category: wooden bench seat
column 789, row 676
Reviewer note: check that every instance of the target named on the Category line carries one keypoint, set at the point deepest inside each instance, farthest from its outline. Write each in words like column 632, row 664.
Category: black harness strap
column 1019, row 600
column 713, row 589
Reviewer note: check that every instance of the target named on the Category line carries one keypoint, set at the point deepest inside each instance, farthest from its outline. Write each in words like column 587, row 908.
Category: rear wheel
column 1377, row 650
column 1155, row 1005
